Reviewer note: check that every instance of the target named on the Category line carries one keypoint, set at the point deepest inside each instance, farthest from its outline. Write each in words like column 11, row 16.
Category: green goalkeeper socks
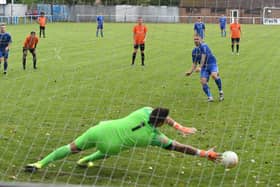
column 56, row 155
column 95, row 156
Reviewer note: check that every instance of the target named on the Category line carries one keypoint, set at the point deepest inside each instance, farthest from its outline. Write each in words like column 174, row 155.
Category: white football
column 229, row 159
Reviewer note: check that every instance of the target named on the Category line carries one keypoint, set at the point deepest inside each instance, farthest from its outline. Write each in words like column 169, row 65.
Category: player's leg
column 237, row 45
column 40, row 34
column 97, row 30
column 232, row 45
column 6, row 55
column 218, row 81
column 142, row 48
column 1, row 57
column 136, row 46
column 33, row 52
column 24, row 55
column 83, row 142
column 57, row 154
column 101, row 30
column 204, row 77
column 87, row 161
column 44, row 28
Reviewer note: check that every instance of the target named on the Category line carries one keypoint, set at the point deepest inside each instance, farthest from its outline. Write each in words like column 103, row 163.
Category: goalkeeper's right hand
column 210, row 154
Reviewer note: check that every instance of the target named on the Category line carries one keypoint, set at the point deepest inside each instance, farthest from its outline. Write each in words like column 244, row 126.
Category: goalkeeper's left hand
column 184, row 130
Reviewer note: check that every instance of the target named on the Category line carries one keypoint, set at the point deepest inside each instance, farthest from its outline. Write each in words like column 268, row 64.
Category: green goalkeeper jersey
column 134, row 130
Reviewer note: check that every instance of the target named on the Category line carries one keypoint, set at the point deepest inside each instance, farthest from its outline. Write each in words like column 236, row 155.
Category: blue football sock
column 219, row 83
column 5, row 66
column 206, row 90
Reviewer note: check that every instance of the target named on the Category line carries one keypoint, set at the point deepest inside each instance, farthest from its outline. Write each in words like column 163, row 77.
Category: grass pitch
column 83, row 79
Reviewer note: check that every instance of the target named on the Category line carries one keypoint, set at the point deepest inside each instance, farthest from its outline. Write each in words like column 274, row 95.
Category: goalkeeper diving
column 138, row 129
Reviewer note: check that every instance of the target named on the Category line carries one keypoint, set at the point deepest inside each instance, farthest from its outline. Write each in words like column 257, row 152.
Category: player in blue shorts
column 203, row 57
column 199, row 28
column 223, row 23
column 5, row 41
column 99, row 20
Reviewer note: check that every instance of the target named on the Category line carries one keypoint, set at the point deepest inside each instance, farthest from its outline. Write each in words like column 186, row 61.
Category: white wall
column 128, row 13
column 16, row 9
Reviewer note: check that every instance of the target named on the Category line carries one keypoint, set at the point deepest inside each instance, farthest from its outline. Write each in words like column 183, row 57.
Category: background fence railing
column 124, row 19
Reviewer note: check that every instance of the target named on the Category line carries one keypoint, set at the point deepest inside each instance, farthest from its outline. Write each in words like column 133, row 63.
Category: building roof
column 247, row 4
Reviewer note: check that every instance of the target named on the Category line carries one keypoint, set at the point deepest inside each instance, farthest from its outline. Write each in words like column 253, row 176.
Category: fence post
column 77, row 18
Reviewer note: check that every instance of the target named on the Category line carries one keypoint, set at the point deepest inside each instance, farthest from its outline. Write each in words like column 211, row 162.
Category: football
column 229, row 159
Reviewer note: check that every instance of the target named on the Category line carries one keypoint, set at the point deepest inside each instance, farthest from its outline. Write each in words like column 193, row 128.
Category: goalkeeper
column 138, row 129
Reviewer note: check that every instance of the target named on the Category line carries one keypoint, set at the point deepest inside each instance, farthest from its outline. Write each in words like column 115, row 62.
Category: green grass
column 82, row 80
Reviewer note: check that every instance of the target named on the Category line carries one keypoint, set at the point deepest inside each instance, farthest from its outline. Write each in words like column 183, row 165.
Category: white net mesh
column 83, row 79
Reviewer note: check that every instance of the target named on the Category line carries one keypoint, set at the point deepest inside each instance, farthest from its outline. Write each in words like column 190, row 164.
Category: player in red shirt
column 139, row 37
column 42, row 20
column 235, row 33
column 30, row 44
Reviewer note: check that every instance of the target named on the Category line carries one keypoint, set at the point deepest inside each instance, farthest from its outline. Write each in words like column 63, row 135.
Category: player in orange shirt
column 235, row 33
column 30, row 44
column 42, row 20
column 139, row 37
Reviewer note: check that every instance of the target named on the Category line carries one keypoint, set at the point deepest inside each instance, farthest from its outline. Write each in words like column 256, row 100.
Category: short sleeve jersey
column 42, row 21
column 5, row 40
column 131, row 131
column 99, row 20
column 210, row 58
column 199, row 27
column 30, row 42
column 235, row 30
column 139, row 33
column 223, row 21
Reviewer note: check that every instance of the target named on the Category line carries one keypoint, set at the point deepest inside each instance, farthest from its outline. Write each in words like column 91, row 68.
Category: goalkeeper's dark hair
column 158, row 116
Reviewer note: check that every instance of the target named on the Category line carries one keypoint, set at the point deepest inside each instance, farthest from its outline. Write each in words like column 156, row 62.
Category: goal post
column 271, row 15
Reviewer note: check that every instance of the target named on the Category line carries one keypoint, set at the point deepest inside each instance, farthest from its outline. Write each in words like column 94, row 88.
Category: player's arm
column 195, row 29
column 134, row 34
column 194, row 68
column 184, row 130
column 187, row 149
column 9, row 44
column 145, row 37
column 202, row 62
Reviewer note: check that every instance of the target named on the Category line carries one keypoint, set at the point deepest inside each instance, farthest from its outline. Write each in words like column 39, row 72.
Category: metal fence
column 123, row 19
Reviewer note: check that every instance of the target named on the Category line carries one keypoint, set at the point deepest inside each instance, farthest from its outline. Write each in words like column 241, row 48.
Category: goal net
column 271, row 15
column 83, row 78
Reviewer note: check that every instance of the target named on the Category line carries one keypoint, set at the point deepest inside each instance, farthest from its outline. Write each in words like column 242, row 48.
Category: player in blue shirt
column 203, row 57
column 223, row 23
column 199, row 28
column 99, row 20
column 5, row 41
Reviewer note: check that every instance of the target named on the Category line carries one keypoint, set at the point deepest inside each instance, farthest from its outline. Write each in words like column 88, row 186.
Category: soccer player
column 223, row 23
column 203, row 57
column 199, row 28
column 138, row 129
column 235, row 33
column 139, row 37
column 42, row 20
column 100, row 20
column 30, row 44
column 5, row 42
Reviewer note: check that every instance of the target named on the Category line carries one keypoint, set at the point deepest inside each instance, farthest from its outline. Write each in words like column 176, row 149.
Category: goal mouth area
column 271, row 15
